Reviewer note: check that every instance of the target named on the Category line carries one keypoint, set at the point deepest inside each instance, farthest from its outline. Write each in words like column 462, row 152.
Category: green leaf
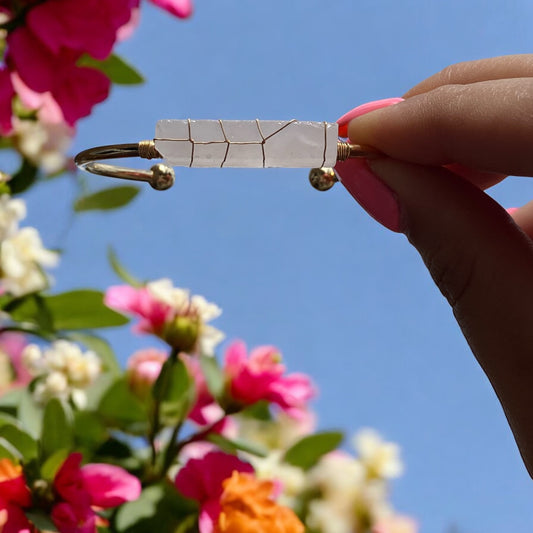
column 22, row 441
column 307, row 451
column 213, row 376
column 119, row 407
column 121, row 271
column 174, row 388
column 57, row 427
column 52, row 464
column 106, row 199
column 159, row 508
column 115, row 68
column 11, row 398
column 101, row 347
column 258, row 410
column 40, row 520
column 30, row 414
column 89, row 431
column 8, row 451
column 235, row 445
column 80, row 309
column 24, row 178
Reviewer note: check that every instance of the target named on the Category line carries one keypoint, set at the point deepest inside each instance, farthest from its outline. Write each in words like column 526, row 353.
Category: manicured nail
column 361, row 110
column 512, row 210
column 374, row 196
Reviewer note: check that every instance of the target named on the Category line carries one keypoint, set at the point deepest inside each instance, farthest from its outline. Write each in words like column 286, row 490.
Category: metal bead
column 322, row 179
column 162, row 177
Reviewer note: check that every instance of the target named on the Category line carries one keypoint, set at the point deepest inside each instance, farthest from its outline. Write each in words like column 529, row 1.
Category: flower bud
column 144, row 367
column 182, row 333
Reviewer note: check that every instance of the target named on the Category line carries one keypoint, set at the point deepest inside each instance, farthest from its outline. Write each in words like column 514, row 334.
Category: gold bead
column 322, row 179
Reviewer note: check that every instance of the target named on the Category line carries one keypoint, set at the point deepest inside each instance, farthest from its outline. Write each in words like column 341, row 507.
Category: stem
column 174, row 448
column 155, row 424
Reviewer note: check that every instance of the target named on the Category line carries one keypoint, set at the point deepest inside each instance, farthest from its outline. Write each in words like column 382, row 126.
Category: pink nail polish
column 371, row 193
column 361, row 110
column 512, row 210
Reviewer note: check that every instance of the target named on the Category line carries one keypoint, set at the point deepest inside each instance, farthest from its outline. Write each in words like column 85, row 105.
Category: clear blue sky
column 345, row 300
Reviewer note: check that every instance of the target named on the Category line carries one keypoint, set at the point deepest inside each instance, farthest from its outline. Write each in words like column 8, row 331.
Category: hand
column 475, row 119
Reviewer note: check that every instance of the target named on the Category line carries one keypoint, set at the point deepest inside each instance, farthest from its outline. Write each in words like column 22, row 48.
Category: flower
column 179, row 8
column 64, row 370
column 6, row 95
column 247, row 506
column 260, row 377
column 201, row 480
column 22, row 257
column 381, row 459
column 13, row 372
column 170, row 313
column 14, row 497
column 143, row 368
column 12, row 211
column 93, row 485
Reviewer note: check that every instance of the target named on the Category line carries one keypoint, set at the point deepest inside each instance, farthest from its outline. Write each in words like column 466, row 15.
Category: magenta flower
column 14, row 497
column 85, row 27
column 201, row 480
column 260, row 377
column 81, row 488
column 179, row 8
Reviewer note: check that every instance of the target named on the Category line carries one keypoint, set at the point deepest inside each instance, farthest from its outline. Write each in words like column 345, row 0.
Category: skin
column 476, row 117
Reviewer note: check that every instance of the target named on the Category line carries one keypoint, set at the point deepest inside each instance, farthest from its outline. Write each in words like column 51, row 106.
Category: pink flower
column 395, row 524
column 87, row 27
column 152, row 312
column 75, row 89
column 201, row 480
column 144, row 366
column 171, row 313
column 81, row 488
column 180, row 8
column 12, row 346
column 260, row 377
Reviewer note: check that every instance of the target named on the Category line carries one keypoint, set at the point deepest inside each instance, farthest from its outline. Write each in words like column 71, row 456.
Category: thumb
column 479, row 258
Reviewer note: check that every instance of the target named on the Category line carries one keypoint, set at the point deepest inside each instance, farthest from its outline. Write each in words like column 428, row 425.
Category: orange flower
column 247, row 507
column 13, row 487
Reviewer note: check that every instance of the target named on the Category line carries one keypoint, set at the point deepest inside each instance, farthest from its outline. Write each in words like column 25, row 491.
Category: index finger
column 494, row 68
column 486, row 126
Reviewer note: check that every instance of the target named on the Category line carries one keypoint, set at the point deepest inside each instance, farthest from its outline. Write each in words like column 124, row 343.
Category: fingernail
column 374, row 196
column 361, row 110
column 512, row 210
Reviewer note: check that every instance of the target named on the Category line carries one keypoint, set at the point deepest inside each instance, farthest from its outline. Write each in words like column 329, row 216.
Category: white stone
column 247, row 143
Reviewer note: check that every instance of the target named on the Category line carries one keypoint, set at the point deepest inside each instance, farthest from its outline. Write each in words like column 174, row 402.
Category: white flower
column 382, row 459
column 272, row 467
column 22, row 257
column 45, row 144
column 64, row 369
column 11, row 213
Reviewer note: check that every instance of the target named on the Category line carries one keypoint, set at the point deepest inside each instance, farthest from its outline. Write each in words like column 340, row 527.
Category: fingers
column 523, row 217
column 481, row 261
column 487, row 126
column 494, row 68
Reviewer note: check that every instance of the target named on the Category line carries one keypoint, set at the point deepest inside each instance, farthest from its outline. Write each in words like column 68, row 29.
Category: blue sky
column 346, row 301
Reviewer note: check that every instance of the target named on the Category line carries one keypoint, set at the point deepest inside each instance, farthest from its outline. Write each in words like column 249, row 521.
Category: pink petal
column 68, row 482
column 109, row 485
column 71, row 519
column 201, row 479
column 16, row 519
column 80, row 90
column 208, row 516
column 122, row 298
column 6, row 96
column 179, row 8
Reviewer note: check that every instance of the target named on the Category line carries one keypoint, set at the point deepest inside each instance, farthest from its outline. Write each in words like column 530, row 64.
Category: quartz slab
column 247, row 143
